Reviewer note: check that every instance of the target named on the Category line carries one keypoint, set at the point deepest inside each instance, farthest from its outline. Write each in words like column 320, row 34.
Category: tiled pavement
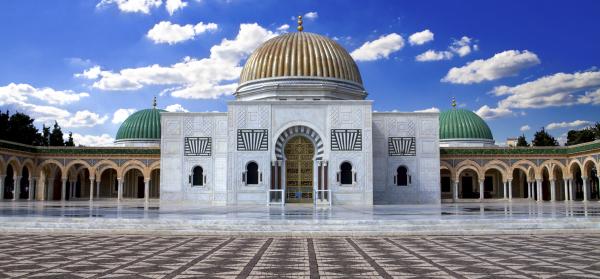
column 502, row 256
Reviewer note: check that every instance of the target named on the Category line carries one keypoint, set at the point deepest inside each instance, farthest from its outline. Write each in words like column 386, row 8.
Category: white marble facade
column 386, row 142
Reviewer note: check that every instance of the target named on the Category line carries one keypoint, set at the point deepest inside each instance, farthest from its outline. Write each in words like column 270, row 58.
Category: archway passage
column 520, row 188
column 299, row 153
column 9, row 182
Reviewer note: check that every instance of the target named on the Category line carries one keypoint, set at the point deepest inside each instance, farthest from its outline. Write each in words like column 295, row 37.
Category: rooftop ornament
column 300, row 28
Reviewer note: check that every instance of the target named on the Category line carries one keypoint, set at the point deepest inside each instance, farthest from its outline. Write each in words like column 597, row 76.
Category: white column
column 481, row 197
column 98, row 189
column 63, row 193
column 454, row 191
column 510, row 190
column 585, row 188
column 566, row 188
column 120, row 189
column 92, row 188
column 31, row 188
column 504, row 186
column 146, row 190
column 552, row 190
column 2, row 177
column 539, row 190
column 16, row 188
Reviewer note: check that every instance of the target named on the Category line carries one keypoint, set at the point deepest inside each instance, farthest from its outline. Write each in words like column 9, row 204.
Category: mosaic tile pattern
column 96, row 256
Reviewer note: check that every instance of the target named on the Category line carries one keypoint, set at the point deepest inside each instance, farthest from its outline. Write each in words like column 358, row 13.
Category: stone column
column 2, row 177
column 16, row 188
column 510, row 190
column 120, row 189
column 92, row 188
column 98, row 189
column 539, row 189
column 63, row 191
column 31, row 188
column 454, row 191
column 585, row 188
column 504, row 186
column 146, row 190
column 566, row 188
column 552, row 189
column 481, row 197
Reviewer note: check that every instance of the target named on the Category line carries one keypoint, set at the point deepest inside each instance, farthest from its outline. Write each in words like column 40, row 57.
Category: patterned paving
column 503, row 256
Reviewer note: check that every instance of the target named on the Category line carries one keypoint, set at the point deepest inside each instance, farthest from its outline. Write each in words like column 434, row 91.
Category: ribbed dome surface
column 300, row 54
column 142, row 125
column 463, row 124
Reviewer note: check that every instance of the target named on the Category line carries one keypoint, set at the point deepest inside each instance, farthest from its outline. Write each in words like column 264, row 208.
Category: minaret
column 300, row 28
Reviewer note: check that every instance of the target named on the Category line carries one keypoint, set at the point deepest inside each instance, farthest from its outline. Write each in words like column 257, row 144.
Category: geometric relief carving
column 402, row 146
column 197, row 146
column 346, row 139
column 253, row 140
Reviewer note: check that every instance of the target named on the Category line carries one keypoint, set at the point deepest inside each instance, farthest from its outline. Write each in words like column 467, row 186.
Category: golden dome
column 300, row 54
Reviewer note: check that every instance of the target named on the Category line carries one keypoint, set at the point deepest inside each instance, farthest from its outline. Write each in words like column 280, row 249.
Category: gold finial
column 453, row 102
column 154, row 102
column 300, row 28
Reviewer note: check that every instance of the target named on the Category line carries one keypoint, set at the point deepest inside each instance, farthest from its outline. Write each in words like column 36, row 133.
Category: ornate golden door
column 299, row 153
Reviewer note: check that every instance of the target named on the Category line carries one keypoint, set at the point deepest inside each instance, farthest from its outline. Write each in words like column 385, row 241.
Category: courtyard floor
column 145, row 256
column 134, row 216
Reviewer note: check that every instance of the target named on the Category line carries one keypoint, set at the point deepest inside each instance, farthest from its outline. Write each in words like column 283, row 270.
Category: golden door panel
column 299, row 152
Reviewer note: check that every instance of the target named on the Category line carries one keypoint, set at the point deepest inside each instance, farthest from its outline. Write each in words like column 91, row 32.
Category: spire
column 300, row 28
column 154, row 102
column 453, row 103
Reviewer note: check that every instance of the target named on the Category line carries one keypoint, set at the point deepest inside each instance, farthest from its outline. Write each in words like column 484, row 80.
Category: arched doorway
column 299, row 152
column 9, row 182
column 468, row 184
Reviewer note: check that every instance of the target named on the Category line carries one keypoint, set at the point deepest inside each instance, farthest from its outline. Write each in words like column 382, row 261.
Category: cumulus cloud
column 132, row 6
column 431, row 109
column 379, row 48
column 121, row 114
column 311, row 15
column 171, row 33
column 420, row 38
column 91, row 140
column 464, row 46
column 432, row 55
column 176, row 108
column 592, row 97
column 573, row 124
column 19, row 93
column 504, row 64
column 525, row 128
column 193, row 78
column 91, row 73
column 283, row 28
column 84, row 118
column 488, row 113
column 173, row 5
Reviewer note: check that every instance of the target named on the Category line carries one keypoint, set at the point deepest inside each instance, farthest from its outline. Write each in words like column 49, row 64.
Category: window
column 345, row 176
column 252, row 174
column 402, row 178
column 198, row 176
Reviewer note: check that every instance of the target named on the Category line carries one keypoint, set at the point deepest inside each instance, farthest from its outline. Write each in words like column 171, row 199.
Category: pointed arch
column 16, row 165
column 299, row 130
column 468, row 164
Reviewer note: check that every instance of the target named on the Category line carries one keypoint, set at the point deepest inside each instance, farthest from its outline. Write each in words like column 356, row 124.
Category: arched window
column 252, row 173
column 402, row 177
column 197, row 176
column 346, row 173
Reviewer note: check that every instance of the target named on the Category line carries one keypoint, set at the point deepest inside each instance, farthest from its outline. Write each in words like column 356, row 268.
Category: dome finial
column 154, row 102
column 300, row 28
column 453, row 103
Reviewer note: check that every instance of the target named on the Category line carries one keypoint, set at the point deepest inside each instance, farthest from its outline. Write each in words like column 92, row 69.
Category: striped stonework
column 346, row 140
column 197, row 146
column 299, row 130
column 253, row 140
column 402, row 146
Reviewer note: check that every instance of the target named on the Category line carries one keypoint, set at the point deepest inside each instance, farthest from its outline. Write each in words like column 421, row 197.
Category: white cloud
column 20, row 93
column 311, row 15
column 525, row 128
column 283, row 27
column 121, row 114
column 84, row 118
column 378, row 49
column 132, row 6
column 504, row 64
column 170, row 33
column 487, row 113
column 464, row 46
column 573, row 124
column 176, row 108
column 91, row 140
column 432, row 55
column 193, row 78
column 173, row 5
column 420, row 38
column 431, row 109
column 592, row 97
column 91, row 73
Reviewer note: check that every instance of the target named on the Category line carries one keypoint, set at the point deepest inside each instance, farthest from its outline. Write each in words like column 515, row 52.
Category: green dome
column 463, row 124
column 142, row 125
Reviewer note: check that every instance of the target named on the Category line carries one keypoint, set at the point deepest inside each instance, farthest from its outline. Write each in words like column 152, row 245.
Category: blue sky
column 89, row 63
